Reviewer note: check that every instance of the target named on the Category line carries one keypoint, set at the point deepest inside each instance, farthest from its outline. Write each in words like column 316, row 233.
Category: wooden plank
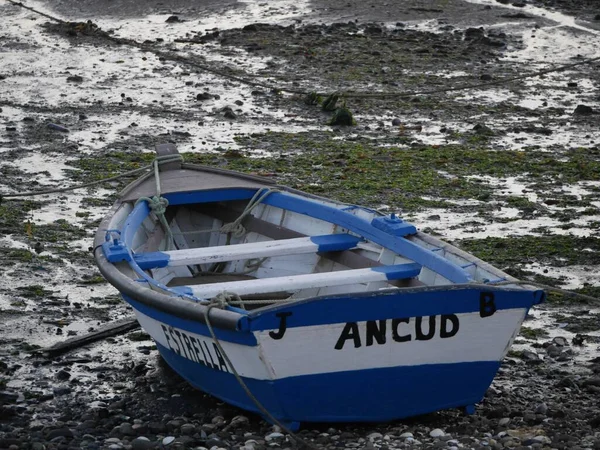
column 104, row 332
column 262, row 249
column 311, row 280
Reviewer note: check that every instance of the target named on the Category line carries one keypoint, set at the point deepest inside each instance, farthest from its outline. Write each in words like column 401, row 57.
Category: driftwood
column 112, row 329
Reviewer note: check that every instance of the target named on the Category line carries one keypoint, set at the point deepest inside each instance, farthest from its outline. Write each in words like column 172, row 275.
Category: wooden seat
column 311, row 280
column 263, row 249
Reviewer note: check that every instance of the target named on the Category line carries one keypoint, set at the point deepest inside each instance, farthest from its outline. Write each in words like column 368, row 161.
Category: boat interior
column 277, row 252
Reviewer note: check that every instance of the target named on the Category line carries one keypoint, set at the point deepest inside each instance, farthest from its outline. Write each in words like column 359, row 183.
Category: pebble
column 168, row 440
column 276, row 435
column 436, row 433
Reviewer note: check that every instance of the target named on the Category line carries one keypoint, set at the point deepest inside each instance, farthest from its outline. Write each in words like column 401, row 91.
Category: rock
column 61, row 375
column 61, row 390
column 593, row 381
column 474, row 33
column 168, row 440
column 173, row 19
column 560, row 341
column 59, row 432
column 504, row 422
column 228, row 113
column 483, row 130
column 553, row 350
column 188, row 429
column 485, row 77
column 396, row 122
column 141, row 443
column 583, row 110
column 542, row 408
column 75, row 79
column 374, row 436
column 203, row 96
column 272, row 436
column 126, row 429
column 407, row 435
column 436, row 433
column 8, row 397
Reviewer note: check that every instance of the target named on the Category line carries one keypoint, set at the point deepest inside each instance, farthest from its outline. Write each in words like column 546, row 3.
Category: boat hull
column 368, row 357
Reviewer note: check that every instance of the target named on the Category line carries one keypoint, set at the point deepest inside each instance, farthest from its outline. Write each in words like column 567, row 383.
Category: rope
column 157, row 161
column 236, row 228
column 220, row 301
column 56, row 19
column 549, row 288
column 347, row 94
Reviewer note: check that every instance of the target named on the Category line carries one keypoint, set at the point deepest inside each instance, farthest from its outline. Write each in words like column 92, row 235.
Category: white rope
column 236, row 228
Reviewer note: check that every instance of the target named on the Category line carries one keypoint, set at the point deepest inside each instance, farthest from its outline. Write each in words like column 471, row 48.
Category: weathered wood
column 109, row 330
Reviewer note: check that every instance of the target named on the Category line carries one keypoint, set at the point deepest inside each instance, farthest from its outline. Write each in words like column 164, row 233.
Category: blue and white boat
column 327, row 311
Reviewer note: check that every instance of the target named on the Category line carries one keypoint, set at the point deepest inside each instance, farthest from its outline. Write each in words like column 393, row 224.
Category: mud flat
column 508, row 171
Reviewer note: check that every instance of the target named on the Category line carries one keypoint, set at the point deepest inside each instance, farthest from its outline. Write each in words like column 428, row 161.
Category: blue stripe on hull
column 375, row 395
column 388, row 304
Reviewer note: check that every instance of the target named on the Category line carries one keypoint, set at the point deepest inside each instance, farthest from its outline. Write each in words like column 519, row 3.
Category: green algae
column 555, row 251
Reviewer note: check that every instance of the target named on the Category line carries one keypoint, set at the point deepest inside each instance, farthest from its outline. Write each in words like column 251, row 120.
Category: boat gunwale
column 181, row 306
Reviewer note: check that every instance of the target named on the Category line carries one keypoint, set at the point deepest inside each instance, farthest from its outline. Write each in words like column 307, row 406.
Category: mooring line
column 158, row 160
column 346, row 94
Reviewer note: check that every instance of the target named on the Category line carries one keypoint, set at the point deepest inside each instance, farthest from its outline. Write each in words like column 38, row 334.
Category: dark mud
column 497, row 158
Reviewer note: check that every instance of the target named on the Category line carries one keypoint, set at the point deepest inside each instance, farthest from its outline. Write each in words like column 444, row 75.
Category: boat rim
column 183, row 307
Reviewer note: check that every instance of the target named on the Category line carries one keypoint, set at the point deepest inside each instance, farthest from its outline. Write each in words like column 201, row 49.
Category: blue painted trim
column 393, row 225
column 216, row 195
column 134, row 221
column 238, row 337
column 386, row 305
column 335, row 242
column 184, row 290
column 399, row 271
column 374, row 395
column 447, row 269
column 152, row 260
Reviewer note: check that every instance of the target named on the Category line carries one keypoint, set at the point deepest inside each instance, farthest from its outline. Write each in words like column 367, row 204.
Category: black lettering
column 282, row 325
column 204, row 354
column 189, row 347
column 172, row 333
column 395, row 335
column 222, row 363
column 453, row 319
column 487, row 306
column 167, row 337
column 419, row 335
column 350, row 331
column 196, row 352
column 178, row 334
column 212, row 363
column 375, row 332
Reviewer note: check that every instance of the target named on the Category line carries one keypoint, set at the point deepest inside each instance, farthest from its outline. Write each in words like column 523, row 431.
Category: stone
column 436, row 433
column 188, row 428
column 59, row 432
column 583, row 110
column 141, row 443
column 272, row 436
